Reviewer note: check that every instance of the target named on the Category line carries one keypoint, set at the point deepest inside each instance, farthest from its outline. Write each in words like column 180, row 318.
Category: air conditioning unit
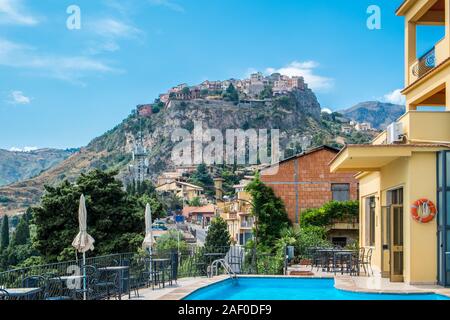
column 394, row 133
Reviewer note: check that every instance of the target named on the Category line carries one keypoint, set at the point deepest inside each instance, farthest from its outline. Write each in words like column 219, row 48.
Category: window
column 340, row 191
column 339, row 241
column 370, row 221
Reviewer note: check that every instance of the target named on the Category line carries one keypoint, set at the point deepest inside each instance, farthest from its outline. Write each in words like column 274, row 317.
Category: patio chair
column 367, row 262
column 4, row 295
column 91, row 280
column 361, row 258
column 35, row 282
column 235, row 259
column 137, row 277
column 55, row 289
column 107, row 283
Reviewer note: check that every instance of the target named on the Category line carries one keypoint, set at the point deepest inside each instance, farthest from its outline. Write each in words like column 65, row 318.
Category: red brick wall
column 313, row 184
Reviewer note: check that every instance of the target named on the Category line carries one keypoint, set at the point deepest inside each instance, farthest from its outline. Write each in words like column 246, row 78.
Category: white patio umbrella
column 148, row 240
column 83, row 242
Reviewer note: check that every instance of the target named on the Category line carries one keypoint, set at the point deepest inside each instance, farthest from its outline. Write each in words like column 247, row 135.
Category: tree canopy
column 231, row 94
column 115, row 219
column 218, row 235
column 269, row 211
column 202, row 178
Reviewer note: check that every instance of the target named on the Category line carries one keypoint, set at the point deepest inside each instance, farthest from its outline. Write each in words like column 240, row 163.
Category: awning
column 367, row 157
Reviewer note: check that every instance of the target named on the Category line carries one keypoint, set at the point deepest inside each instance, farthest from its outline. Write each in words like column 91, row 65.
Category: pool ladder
column 214, row 268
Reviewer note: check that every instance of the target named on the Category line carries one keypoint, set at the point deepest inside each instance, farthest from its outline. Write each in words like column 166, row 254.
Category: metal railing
column 424, row 64
column 247, row 224
column 190, row 262
column 214, row 268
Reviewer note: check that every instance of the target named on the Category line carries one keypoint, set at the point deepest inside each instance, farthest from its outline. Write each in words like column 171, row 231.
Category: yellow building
column 410, row 161
column 237, row 214
column 183, row 190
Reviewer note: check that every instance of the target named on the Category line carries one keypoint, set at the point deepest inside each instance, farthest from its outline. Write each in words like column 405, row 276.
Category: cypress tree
column 218, row 235
column 4, row 240
column 22, row 233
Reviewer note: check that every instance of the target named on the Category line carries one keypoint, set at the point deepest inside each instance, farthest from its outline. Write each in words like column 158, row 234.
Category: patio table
column 348, row 254
column 327, row 253
column 120, row 270
column 160, row 262
column 22, row 292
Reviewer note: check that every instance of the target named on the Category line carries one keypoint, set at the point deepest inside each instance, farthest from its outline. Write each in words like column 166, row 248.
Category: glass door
column 396, row 243
column 443, row 172
column 385, row 241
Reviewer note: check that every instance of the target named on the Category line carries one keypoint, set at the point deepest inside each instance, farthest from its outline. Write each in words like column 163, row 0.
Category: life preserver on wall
column 423, row 210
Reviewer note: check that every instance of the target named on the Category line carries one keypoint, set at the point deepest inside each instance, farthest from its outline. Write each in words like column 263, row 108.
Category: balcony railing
column 246, row 224
column 424, row 64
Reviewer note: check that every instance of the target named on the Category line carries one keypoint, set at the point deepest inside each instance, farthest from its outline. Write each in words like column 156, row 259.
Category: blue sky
column 61, row 88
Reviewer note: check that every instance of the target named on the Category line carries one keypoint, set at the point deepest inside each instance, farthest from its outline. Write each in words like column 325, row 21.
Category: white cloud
column 111, row 28
column 17, row 97
column 110, row 31
column 395, row 97
column 307, row 70
column 24, row 149
column 168, row 4
column 69, row 68
column 13, row 12
column 327, row 110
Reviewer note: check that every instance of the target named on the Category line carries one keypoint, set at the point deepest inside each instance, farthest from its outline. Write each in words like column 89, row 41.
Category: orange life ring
column 427, row 206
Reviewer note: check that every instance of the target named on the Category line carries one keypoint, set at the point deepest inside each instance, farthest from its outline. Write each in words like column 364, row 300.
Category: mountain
column 17, row 166
column 297, row 116
column 378, row 114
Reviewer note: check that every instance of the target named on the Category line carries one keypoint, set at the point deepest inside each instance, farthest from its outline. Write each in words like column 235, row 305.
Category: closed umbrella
column 83, row 242
column 148, row 240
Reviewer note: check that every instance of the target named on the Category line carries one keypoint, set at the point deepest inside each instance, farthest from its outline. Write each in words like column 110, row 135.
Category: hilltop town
column 255, row 88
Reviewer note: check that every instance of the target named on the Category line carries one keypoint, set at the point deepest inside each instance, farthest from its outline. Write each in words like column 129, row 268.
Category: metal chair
column 91, row 280
column 361, row 258
column 368, row 260
column 137, row 276
column 55, row 289
column 4, row 295
column 107, row 283
column 35, row 282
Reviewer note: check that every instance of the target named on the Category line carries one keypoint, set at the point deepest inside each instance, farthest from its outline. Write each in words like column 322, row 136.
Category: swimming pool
column 247, row 288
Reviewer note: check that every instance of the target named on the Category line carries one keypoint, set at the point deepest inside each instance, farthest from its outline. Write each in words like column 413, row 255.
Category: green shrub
column 330, row 212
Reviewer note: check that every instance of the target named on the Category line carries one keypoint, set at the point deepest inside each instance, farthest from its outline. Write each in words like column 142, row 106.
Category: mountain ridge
column 20, row 165
column 378, row 114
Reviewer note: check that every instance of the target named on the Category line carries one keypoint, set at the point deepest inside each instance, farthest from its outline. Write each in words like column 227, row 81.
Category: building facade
column 237, row 214
column 304, row 181
column 404, row 173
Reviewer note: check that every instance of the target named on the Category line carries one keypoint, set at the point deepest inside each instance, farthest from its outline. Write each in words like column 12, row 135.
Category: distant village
column 258, row 87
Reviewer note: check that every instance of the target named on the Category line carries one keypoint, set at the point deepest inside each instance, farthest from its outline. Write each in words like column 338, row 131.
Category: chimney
column 218, row 185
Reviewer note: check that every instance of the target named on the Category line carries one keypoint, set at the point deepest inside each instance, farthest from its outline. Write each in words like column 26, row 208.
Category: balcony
column 423, row 65
column 430, row 60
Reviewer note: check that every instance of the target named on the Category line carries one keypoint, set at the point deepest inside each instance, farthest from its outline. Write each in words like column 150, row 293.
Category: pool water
column 292, row 289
